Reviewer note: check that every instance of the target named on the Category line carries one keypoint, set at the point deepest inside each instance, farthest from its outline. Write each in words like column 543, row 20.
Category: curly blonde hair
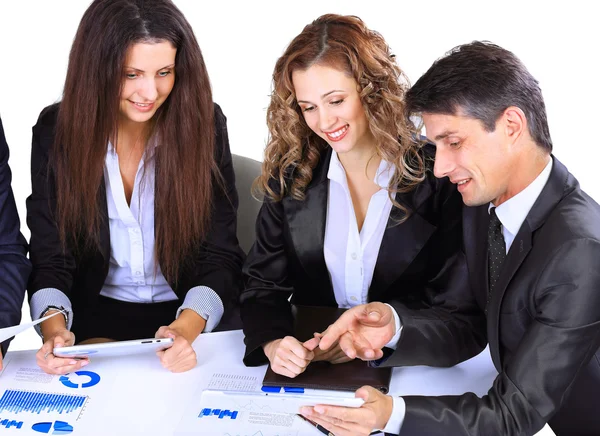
column 293, row 149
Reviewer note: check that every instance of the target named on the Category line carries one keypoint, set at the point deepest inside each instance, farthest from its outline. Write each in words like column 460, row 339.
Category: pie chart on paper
column 94, row 379
column 60, row 428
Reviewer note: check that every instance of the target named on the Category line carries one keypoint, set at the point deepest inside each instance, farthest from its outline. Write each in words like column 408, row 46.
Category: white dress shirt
column 512, row 214
column 513, row 211
column 132, row 275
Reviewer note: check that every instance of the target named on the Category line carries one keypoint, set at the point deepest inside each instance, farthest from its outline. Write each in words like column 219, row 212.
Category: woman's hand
column 184, row 330
column 181, row 356
column 51, row 364
column 288, row 356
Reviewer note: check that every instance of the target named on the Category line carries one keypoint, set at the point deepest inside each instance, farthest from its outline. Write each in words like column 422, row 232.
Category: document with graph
column 240, row 415
column 231, row 405
column 34, row 402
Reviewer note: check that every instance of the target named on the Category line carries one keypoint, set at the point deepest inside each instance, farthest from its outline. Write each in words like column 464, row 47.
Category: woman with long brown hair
column 133, row 205
column 352, row 211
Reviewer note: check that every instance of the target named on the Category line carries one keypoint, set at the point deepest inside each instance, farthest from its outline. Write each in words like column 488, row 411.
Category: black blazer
column 420, row 264
column 543, row 324
column 216, row 264
column 14, row 266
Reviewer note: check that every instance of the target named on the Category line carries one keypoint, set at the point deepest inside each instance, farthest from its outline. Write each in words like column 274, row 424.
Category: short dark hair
column 481, row 79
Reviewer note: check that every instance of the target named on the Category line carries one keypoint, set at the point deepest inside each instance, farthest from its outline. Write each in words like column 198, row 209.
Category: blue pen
column 286, row 389
column 271, row 389
column 310, row 392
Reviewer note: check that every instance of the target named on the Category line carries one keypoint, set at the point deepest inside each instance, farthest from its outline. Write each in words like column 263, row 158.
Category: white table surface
column 137, row 396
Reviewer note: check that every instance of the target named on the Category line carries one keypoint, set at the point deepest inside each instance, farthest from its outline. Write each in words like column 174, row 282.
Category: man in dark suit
column 532, row 242
column 14, row 266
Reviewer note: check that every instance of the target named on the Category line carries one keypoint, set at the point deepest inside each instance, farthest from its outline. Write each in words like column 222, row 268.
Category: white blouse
column 351, row 255
column 131, row 272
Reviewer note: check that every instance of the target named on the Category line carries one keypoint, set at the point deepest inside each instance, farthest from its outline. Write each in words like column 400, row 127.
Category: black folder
column 323, row 375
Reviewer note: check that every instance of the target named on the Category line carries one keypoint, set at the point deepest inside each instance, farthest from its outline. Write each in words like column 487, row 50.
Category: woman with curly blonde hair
column 352, row 211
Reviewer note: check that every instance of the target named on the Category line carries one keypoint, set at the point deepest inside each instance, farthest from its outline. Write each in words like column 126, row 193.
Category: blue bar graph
column 17, row 401
column 12, row 423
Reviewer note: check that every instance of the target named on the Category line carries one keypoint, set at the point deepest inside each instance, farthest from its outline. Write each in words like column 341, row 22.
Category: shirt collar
column 513, row 211
column 149, row 151
column 337, row 173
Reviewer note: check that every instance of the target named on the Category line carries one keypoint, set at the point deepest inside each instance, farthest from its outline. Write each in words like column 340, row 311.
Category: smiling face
column 149, row 79
column 478, row 161
column 332, row 108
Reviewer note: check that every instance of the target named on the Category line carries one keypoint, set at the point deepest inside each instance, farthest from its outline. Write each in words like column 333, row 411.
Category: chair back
column 246, row 170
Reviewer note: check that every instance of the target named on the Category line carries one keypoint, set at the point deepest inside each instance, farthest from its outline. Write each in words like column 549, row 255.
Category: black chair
column 246, row 170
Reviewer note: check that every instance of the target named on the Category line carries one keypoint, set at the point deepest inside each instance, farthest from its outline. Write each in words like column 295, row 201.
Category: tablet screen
column 121, row 348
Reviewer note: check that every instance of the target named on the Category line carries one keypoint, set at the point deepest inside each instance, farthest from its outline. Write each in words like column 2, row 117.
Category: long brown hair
column 88, row 119
column 293, row 149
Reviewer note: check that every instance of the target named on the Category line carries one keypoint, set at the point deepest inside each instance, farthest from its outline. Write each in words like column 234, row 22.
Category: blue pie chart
column 94, row 380
column 60, row 428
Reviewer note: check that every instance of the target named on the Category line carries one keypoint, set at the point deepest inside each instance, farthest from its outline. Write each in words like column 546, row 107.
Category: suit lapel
column 559, row 184
column 401, row 242
column 516, row 255
column 306, row 221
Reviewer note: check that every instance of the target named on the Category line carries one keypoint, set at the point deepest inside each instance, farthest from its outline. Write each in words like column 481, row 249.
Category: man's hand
column 334, row 355
column 361, row 331
column 288, row 356
column 58, row 365
column 374, row 414
column 181, row 356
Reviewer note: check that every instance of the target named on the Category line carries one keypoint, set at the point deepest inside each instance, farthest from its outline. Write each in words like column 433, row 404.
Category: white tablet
column 277, row 402
column 121, row 348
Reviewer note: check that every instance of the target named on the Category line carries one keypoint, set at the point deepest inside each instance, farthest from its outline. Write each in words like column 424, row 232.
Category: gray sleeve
column 44, row 298
column 206, row 303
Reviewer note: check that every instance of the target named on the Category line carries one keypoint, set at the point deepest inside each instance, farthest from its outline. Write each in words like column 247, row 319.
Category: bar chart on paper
column 236, row 414
column 21, row 401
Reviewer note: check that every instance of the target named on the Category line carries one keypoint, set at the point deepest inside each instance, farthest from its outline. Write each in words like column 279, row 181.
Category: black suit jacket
column 420, row 264
column 216, row 264
column 14, row 266
column 543, row 324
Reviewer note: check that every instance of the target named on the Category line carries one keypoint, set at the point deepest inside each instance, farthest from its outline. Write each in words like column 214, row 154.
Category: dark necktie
column 496, row 251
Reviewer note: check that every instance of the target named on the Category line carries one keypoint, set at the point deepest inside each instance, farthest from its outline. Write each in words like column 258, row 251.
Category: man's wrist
column 397, row 329
column 389, row 408
column 396, row 418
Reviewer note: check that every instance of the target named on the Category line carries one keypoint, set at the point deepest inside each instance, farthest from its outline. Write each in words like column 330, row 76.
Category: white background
column 241, row 40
